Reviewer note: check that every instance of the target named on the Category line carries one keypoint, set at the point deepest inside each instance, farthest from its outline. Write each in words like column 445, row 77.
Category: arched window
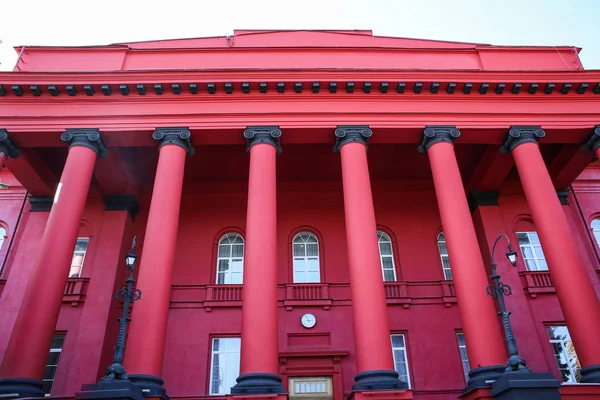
column 2, row 236
column 230, row 261
column 596, row 230
column 444, row 256
column 306, row 258
column 387, row 257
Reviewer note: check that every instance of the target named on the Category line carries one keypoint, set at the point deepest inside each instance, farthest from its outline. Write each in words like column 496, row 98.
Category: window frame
column 229, row 258
column 446, row 272
column 58, row 350
column 532, row 248
column 211, row 358
column 405, row 349
column 573, row 370
column 391, row 255
column 463, row 361
column 83, row 256
column 594, row 230
column 305, row 258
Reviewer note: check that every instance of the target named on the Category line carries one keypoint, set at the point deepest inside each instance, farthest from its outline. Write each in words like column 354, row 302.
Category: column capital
column 345, row 134
column 436, row 134
column 7, row 146
column 85, row 137
column 593, row 141
column 122, row 202
column 521, row 134
column 263, row 134
column 178, row 135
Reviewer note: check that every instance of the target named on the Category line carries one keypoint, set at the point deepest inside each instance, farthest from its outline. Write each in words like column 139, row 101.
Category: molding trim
column 7, row 146
column 85, row 137
column 179, row 136
column 41, row 203
column 521, row 134
column 263, row 135
column 482, row 198
column 122, row 202
column 563, row 196
column 345, row 134
column 436, row 134
column 593, row 141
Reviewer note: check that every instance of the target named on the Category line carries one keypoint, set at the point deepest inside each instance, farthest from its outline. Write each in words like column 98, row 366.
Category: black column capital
column 41, row 203
column 122, row 202
column 178, row 135
column 263, row 134
column 345, row 134
column 436, row 134
column 85, row 137
column 521, row 134
column 7, row 146
column 482, row 198
column 593, row 141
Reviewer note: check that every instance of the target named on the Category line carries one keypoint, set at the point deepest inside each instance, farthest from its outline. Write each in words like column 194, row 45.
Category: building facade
column 315, row 213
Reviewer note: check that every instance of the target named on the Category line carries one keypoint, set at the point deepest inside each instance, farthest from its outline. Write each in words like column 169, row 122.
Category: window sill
column 537, row 282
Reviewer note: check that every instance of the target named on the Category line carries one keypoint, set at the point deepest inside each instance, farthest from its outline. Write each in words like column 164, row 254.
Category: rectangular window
column 533, row 256
column 464, row 359
column 564, row 353
column 400, row 358
column 52, row 363
column 78, row 257
column 225, row 364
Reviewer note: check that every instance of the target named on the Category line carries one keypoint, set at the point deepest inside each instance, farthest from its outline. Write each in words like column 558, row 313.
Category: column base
column 21, row 387
column 382, row 395
column 115, row 389
column 150, row 384
column 258, row 397
column 483, row 377
column 526, row 386
column 590, row 374
column 257, row 383
column 379, row 379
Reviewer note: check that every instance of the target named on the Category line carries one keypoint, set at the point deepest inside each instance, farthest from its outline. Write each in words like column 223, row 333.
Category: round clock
column 308, row 320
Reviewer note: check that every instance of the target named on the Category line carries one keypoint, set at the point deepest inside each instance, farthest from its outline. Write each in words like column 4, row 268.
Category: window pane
column 531, row 266
column 539, row 253
column 299, row 250
column 443, row 248
column 236, row 278
column 220, row 278
column 223, row 265
column 388, row 275
column 385, row 249
column 299, row 265
column 57, row 341
column 533, row 237
column 542, row 265
column 312, row 264
column 461, row 339
column 236, row 265
column 527, row 252
column 596, row 224
column 299, row 277
column 397, row 340
column 387, row 263
column 448, row 274
column 522, row 237
column 313, row 277
column 312, row 250
column 237, row 250
column 224, row 250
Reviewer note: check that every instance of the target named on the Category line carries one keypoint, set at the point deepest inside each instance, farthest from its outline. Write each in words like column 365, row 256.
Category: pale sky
column 499, row 22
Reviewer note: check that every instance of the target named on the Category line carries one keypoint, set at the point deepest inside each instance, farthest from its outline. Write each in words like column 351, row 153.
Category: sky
column 499, row 22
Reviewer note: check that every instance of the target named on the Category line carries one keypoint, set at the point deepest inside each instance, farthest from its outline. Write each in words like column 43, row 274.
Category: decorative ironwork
column 436, row 134
column 518, row 135
column 498, row 290
column 128, row 295
column 85, row 137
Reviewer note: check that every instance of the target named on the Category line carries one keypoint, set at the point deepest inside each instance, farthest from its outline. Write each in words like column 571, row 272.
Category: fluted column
column 574, row 288
column 374, row 360
column 146, row 340
column 259, row 358
column 24, row 362
column 477, row 312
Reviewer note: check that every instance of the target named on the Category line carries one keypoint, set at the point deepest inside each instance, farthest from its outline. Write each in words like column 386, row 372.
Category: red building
column 362, row 269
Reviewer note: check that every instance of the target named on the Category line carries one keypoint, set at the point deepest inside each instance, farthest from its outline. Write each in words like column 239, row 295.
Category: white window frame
column 384, row 238
column 226, row 354
column 464, row 359
column 77, row 253
column 447, row 271
column 227, row 275
column 595, row 227
column 532, row 247
column 300, row 263
column 403, row 349
column 572, row 363
column 3, row 236
column 54, row 350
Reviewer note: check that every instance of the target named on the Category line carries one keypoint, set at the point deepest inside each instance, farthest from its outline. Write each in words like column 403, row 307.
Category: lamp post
column 128, row 296
column 498, row 290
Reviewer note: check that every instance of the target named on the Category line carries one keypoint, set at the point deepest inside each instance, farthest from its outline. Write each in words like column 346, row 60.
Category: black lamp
column 512, row 256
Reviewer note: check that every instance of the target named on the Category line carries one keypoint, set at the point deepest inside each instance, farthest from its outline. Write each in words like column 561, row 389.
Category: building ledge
column 537, row 282
column 75, row 290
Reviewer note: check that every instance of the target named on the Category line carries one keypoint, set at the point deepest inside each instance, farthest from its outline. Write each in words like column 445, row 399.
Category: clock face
column 308, row 320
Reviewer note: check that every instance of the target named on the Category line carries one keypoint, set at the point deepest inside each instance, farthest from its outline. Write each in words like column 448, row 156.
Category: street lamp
column 128, row 296
column 498, row 290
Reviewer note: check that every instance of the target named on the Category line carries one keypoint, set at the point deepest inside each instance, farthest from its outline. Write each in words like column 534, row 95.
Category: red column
column 477, row 311
column 574, row 288
column 374, row 360
column 30, row 341
column 146, row 339
column 260, row 362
